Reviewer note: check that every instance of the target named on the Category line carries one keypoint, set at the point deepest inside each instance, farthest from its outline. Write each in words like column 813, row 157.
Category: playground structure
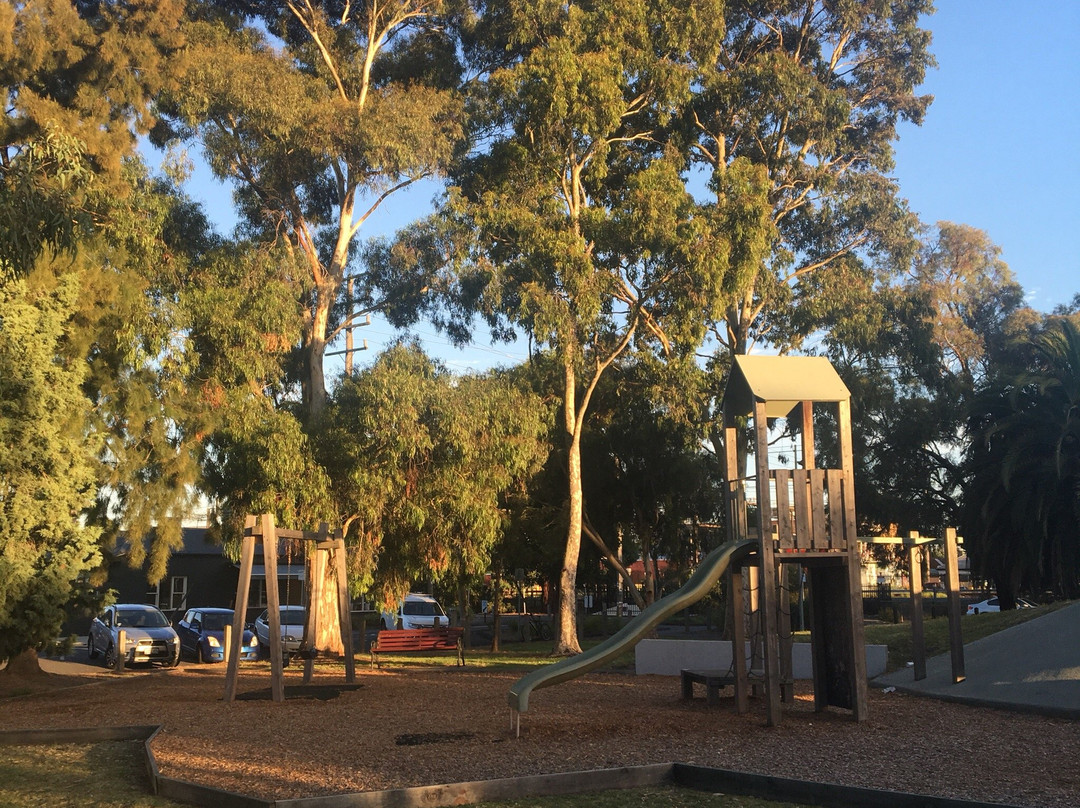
column 323, row 550
column 804, row 515
column 917, row 547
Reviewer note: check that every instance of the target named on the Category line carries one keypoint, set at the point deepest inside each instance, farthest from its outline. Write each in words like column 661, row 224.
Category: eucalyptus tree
column 913, row 353
column 422, row 460
column 584, row 234
column 791, row 130
column 317, row 113
column 973, row 306
column 240, row 306
column 78, row 79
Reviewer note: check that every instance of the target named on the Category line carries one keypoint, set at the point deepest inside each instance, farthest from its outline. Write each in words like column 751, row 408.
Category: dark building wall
column 197, row 575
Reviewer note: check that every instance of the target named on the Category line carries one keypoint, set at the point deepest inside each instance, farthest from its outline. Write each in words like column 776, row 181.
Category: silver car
column 292, row 619
column 148, row 637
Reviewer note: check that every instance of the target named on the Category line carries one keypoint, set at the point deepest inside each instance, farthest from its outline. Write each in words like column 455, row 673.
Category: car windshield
column 216, row 621
column 423, row 608
column 143, row 618
column 293, row 617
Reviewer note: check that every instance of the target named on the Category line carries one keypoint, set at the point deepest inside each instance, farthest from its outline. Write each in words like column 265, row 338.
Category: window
column 178, row 599
column 257, row 593
column 153, row 595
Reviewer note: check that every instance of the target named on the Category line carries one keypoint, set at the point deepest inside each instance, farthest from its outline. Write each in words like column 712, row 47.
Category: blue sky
column 999, row 150
column 1000, row 147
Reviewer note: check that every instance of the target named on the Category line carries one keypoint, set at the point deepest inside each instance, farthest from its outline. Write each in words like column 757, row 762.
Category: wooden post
column 952, row 590
column 121, row 651
column 787, row 689
column 752, row 610
column 915, row 589
column 263, row 528
column 818, row 657
column 225, row 649
column 738, row 638
column 807, row 412
column 344, row 610
column 243, row 586
column 767, row 564
column 736, row 498
column 273, row 606
column 312, row 598
column 787, row 692
column 853, row 562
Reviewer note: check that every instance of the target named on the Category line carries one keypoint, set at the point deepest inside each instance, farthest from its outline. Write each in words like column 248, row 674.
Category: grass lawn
column 936, row 632
column 110, row 774
column 897, row 636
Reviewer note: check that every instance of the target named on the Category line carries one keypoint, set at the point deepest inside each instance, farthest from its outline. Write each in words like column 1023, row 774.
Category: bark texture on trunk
column 327, row 624
column 566, row 641
column 24, row 664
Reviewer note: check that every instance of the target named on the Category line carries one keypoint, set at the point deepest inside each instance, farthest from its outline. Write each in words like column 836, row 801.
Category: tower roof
column 782, row 382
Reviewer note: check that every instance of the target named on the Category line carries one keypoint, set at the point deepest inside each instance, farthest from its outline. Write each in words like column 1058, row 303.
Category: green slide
column 701, row 581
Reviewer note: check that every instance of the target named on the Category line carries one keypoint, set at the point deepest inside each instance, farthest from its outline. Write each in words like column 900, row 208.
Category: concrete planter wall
column 668, row 657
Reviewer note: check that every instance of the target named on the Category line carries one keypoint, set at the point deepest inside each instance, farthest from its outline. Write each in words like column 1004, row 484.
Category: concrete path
column 1033, row 667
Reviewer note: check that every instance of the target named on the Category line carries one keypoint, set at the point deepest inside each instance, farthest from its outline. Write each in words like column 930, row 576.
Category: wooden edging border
column 805, row 792
column 28, row 737
column 699, row 778
column 537, row 785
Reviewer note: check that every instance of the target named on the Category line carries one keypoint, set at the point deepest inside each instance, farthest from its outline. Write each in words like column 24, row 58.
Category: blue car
column 202, row 635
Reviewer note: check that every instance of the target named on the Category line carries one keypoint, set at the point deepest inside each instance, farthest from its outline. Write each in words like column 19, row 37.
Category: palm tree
column 1022, row 505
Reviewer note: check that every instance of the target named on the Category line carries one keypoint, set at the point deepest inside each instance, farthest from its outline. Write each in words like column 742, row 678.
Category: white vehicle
column 416, row 611
column 992, row 605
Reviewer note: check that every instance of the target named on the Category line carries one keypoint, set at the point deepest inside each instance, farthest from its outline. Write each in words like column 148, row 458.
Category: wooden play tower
column 805, row 515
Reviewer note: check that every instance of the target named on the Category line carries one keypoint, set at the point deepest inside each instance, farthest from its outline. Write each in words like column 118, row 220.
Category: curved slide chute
column 708, row 572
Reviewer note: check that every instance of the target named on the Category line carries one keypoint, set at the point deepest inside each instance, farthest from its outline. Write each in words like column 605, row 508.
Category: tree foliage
column 1022, row 511
column 78, row 79
column 912, row 354
column 649, row 482
column 317, row 113
column 793, row 128
column 422, row 460
column 48, row 469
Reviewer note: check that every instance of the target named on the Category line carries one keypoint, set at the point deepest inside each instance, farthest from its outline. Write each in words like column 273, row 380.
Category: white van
column 416, row 611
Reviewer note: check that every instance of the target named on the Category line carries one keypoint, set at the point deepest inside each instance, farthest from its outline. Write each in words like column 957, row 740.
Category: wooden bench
column 419, row 641
column 713, row 680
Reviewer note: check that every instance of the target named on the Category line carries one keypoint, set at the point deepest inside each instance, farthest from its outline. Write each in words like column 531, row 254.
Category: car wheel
column 91, row 651
column 976, row 611
column 110, row 656
column 199, row 654
column 175, row 663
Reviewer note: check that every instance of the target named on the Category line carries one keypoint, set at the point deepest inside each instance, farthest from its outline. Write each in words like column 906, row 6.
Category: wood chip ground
column 422, row 726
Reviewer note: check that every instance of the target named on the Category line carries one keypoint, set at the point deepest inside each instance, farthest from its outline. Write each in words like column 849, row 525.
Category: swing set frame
column 263, row 529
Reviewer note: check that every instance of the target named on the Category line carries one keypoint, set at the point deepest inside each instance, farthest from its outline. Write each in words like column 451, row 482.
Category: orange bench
column 419, row 641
